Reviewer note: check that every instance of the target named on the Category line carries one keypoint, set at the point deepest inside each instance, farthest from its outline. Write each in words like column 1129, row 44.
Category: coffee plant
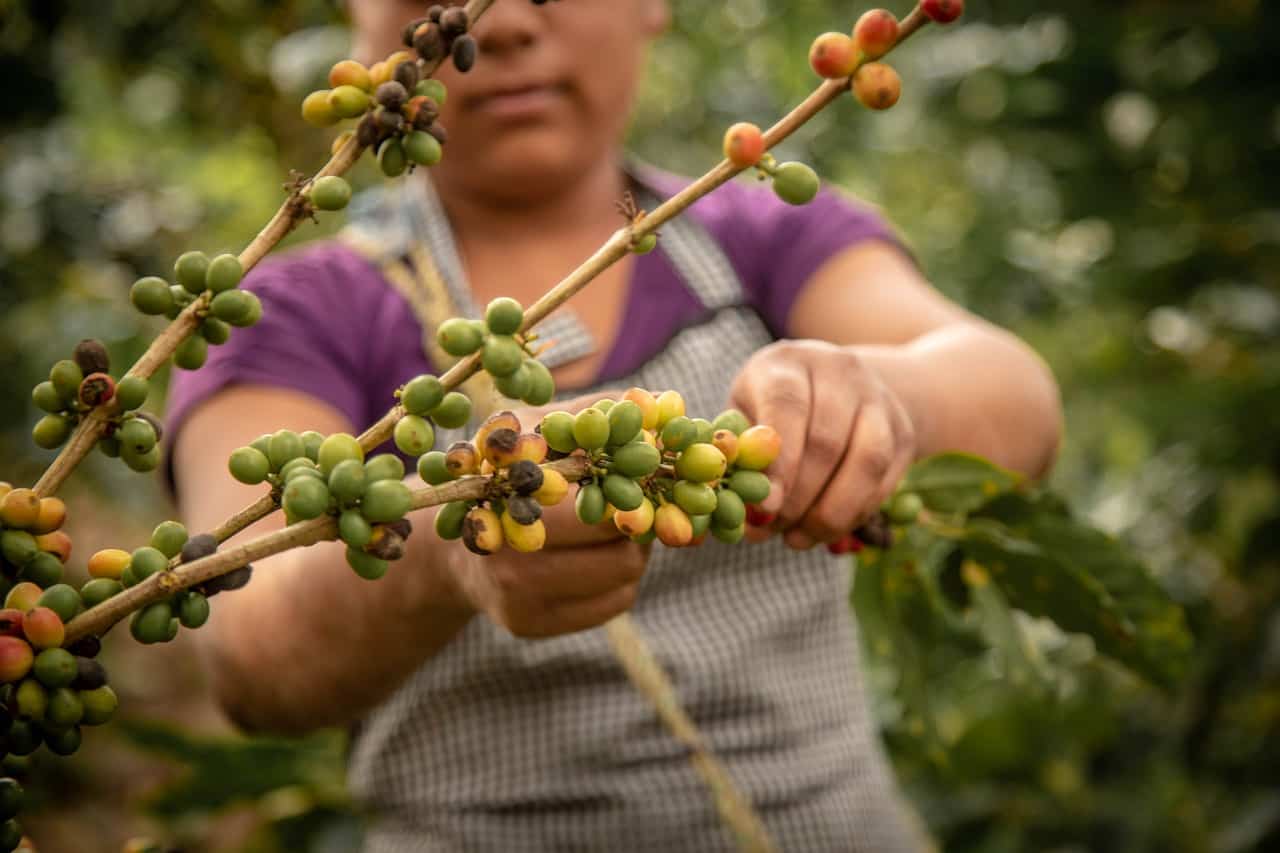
column 963, row 529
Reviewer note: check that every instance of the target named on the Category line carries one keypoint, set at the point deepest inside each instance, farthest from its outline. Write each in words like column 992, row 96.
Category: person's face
column 550, row 92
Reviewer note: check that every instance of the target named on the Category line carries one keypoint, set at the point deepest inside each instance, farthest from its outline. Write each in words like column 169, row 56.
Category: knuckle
column 824, row 447
column 876, row 462
column 827, row 522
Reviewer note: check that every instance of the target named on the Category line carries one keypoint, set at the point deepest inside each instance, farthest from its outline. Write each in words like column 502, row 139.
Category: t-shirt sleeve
column 776, row 247
column 312, row 336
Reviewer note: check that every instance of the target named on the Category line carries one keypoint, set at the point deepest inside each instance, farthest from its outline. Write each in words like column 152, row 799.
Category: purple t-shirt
column 333, row 328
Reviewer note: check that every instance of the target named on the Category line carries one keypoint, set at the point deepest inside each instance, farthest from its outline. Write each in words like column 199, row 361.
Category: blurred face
column 548, row 98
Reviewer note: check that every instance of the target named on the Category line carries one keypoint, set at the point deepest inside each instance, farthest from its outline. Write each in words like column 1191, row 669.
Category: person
column 486, row 710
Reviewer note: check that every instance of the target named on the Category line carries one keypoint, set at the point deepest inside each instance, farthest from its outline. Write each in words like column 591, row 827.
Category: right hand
column 582, row 578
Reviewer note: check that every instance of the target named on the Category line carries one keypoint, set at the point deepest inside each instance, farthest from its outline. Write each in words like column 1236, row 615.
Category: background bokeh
column 1101, row 177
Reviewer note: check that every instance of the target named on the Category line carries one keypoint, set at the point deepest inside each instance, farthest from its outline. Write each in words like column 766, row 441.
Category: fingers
column 831, row 423
column 778, row 393
column 863, row 480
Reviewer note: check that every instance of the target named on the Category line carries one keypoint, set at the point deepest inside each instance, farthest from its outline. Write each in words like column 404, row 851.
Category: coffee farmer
column 486, row 710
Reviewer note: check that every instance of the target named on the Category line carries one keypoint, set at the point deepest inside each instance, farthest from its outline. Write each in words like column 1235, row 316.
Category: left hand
column 847, row 438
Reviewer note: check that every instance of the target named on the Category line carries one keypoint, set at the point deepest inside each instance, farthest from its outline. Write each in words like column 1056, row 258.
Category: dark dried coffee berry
column 96, row 389
column 198, row 547
column 386, row 543
column 525, row 477
column 406, row 35
column 437, row 130
column 389, row 121
column 226, row 583
column 407, row 75
column 90, row 675
column 86, row 647
column 403, row 526
column 454, row 22
column 876, row 531
column 429, row 43
column 368, row 132
column 464, row 53
column 92, row 357
column 525, row 510
column 434, row 12
column 391, row 95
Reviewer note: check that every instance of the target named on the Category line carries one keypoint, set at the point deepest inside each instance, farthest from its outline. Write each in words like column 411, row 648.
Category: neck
column 583, row 202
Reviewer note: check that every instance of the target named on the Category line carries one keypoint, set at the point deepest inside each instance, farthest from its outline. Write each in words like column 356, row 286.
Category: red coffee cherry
column 833, row 55
column 875, row 33
column 743, row 145
column 942, row 11
column 877, row 86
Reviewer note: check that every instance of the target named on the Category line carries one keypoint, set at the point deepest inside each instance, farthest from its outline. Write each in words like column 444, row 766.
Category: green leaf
column 958, row 482
column 1087, row 582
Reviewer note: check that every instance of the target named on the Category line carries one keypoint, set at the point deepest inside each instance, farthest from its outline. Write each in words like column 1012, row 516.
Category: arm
column 880, row 370
column 308, row 643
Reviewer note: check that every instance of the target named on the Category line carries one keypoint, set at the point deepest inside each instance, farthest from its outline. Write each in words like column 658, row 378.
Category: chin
column 524, row 164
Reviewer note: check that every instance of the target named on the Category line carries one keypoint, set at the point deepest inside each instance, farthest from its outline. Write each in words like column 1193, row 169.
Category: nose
column 508, row 27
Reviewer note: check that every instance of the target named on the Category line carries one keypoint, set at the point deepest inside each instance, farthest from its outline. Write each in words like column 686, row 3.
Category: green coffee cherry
column 99, row 705
column 215, row 331
column 557, row 429
column 391, row 158
column 284, row 446
column 46, row 397
column 63, row 600
column 98, row 590
column 339, row 447
column 44, row 570
column 51, row 431
column 459, row 337
column 131, row 392
column 386, row 501
column 18, row 546
column 644, row 245
column 62, row 742
column 433, row 89
column 168, row 538
column 502, row 356
column 140, row 462
column 700, row 463
column 453, row 412
column 503, row 316
column 249, row 466
column 65, row 707
column 151, row 295
column 625, row 421
column 604, row 404
column 679, row 433
column 136, row 434
column 191, row 353
column 705, row 432
column 413, row 435
column 55, row 668
column 193, row 609
column 348, row 101
column 181, row 299
column 234, row 306
column 423, row 148
column 589, row 505
column 591, row 429
column 224, row 273
column 421, row 394
column 730, row 535
column 190, row 270
column 365, row 565
column 305, row 498
column 637, row 459
column 730, row 511
column 905, row 508
column 12, row 799
column 147, row 561
column 347, row 481
column 624, row 493
column 66, row 377
column 154, row 623
column 516, row 385
column 795, row 183
column 694, row 498
column 731, row 419
column 354, row 528
column 699, row 524
column 449, row 519
column 24, row 738
column 751, row 486
column 432, row 470
column 330, row 193
column 542, row 386
column 32, row 699
column 384, row 466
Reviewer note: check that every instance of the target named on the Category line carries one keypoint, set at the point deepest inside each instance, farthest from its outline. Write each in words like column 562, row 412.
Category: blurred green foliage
column 1100, row 177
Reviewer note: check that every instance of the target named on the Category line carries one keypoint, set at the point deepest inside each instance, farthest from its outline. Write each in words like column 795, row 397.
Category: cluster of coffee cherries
column 33, row 546
column 519, row 487
column 503, row 352
column 316, row 475
column 793, row 182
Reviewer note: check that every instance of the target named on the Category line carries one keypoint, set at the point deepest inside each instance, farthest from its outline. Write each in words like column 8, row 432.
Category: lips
column 518, row 101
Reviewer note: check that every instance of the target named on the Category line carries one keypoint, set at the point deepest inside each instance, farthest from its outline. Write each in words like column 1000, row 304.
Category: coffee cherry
column 795, row 183
column 542, row 387
column 17, row 546
column 525, row 477
column 557, row 429
column 905, row 508
column 743, row 145
column 421, row 394
column 625, row 422
column 463, row 53
column 453, row 412
column 16, row 658
column 732, row 420
column 462, row 459
column 730, row 511
column 503, row 316
column 942, row 11
column 500, row 447
column 66, row 377
column 354, row 529
column 151, row 295
column 54, row 668
column 432, row 468
column 318, row 111
column 12, row 798
column 670, row 405
column 700, row 463
column 365, row 565
column 11, row 623
column 302, row 466
column 193, row 609
column 422, row 148
column 347, row 481
column 516, row 385
column 751, row 486
column 147, row 561
column 524, row 509
column 43, row 629
column 694, row 498
column 386, row 500
column 45, row 396
column 673, row 526
column 137, row 435
column 350, row 101
column 429, row 42
column 90, row 674
column 98, row 590
column 224, row 273
column 168, row 538
column 729, row 535
column 433, row 89
column 636, row 460
column 91, row 357
column 131, row 392
column 99, row 705
column 482, row 531
column 22, row 597
column 284, row 445
column 877, row 86
column 591, row 429
column 454, row 22
column 108, row 563
column 56, row 543
column 305, row 498
column 589, row 506
column 233, row 306
column 727, row 443
column 502, row 356
column 700, row 524
column 65, row 707
column 450, row 518
column 330, row 193
column 554, row 488
column 348, row 72
column 458, row 337
column 833, row 55
column 407, row 75
column 154, row 623
column 51, row 431
column 391, row 158
column 413, row 435
column 44, row 569
column 875, row 33
column 337, row 448
column 63, row 741
column 191, row 270
column 623, row 492
column 191, row 353
column 23, row 738
column 249, row 466
column 678, row 434
column 525, row 538
column 876, row 532
column 636, row 521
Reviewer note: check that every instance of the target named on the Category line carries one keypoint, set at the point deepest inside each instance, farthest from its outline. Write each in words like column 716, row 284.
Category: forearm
column 309, row 643
column 972, row 387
